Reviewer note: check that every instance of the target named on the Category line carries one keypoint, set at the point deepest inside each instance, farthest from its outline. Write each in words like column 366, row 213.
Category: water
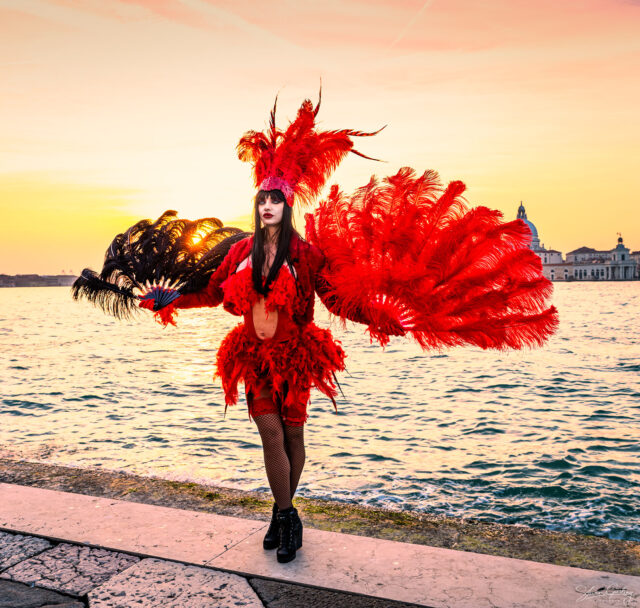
column 547, row 438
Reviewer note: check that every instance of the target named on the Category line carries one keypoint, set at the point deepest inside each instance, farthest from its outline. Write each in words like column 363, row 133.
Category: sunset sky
column 115, row 110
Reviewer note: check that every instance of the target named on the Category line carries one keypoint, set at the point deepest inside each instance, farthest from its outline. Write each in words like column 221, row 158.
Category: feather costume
column 405, row 256
column 300, row 356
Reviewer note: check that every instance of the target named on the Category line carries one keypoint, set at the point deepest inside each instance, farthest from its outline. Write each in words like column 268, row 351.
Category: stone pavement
column 37, row 573
column 70, row 550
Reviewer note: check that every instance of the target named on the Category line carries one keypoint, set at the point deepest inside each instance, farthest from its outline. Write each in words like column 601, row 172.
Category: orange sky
column 114, row 110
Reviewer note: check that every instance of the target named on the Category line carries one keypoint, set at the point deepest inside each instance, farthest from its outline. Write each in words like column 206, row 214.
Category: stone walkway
column 70, row 550
column 37, row 573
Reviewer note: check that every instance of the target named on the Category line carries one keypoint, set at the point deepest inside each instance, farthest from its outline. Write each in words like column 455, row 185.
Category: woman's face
column 270, row 210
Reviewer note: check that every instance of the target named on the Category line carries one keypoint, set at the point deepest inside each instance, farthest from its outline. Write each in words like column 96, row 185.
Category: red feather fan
column 412, row 253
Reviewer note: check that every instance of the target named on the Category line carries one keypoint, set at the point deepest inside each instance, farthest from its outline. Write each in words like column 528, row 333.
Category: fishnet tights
column 284, row 456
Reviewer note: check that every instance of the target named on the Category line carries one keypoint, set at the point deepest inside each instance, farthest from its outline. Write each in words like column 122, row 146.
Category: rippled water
column 546, row 438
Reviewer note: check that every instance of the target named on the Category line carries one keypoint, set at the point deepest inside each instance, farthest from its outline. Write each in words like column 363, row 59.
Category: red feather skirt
column 295, row 360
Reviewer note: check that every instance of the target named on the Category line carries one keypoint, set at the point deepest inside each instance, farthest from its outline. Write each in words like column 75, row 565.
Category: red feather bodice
column 308, row 357
column 240, row 294
column 234, row 289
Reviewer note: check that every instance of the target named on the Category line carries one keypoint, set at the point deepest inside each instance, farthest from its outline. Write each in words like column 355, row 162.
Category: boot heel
column 290, row 535
column 297, row 527
column 270, row 540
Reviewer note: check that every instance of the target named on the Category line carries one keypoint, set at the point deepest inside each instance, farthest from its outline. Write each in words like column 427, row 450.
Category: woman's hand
column 388, row 323
column 389, row 317
column 158, row 297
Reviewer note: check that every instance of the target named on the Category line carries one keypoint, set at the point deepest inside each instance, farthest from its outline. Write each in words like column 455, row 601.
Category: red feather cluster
column 165, row 316
column 411, row 252
column 308, row 359
column 301, row 157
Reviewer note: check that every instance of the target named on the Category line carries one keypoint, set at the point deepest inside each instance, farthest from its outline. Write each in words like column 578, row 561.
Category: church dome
column 534, row 231
column 522, row 215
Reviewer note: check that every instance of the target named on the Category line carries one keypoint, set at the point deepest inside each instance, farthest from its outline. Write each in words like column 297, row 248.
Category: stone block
column 17, row 547
column 154, row 582
column 70, row 568
column 18, row 595
column 275, row 594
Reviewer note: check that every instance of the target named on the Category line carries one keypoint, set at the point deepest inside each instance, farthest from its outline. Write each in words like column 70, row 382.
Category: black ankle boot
column 272, row 538
column 290, row 534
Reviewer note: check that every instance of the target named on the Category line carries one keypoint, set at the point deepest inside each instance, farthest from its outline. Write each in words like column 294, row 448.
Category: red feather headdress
column 297, row 161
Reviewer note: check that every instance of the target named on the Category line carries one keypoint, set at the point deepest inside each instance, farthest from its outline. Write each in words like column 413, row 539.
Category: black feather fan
column 170, row 252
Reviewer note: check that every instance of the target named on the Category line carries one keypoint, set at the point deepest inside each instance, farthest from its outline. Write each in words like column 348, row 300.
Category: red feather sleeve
column 408, row 256
column 381, row 325
column 212, row 294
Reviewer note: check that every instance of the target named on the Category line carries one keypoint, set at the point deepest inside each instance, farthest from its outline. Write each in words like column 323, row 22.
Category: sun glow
column 196, row 240
column 520, row 101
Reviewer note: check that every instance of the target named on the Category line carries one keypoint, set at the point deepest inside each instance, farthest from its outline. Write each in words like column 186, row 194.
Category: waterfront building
column 59, row 279
column 553, row 266
column 584, row 263
column 608, row 265
column 36, row 280
column 635, row 255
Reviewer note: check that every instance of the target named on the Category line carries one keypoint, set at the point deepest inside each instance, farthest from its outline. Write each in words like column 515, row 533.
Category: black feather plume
column 120, row 302
column 170, row 252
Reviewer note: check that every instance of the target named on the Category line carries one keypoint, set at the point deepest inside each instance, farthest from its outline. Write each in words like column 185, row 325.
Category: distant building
column 608, row 265
column 585, row 263
column 635, row 255
column 553, row 266
column 59, row 279
column 36, row 280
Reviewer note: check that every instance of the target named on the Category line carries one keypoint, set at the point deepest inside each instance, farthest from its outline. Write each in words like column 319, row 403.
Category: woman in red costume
column 271, row 279
column 404, row 257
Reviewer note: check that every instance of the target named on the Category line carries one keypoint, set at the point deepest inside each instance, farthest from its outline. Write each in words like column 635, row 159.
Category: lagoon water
column 547, row 438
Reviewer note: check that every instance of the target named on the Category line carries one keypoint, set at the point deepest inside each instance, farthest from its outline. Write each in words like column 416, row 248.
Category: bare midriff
column 277, row 325
column 265, row 324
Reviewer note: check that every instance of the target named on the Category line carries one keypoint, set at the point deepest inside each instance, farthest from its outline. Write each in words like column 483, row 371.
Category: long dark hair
column 285, row 232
